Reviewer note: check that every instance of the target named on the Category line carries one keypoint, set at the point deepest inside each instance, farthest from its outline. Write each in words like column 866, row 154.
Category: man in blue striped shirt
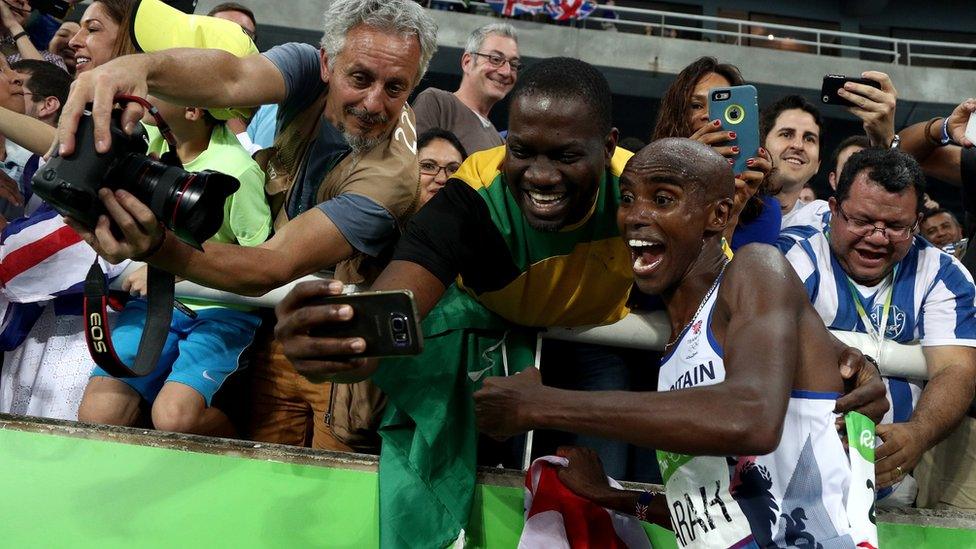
column 866, row 271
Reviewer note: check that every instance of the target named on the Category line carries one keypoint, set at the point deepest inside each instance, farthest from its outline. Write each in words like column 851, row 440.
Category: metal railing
column 743, row 32
column 645, row 330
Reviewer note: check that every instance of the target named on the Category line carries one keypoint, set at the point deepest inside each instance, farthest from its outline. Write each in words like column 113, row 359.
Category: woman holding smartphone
column 684, row 113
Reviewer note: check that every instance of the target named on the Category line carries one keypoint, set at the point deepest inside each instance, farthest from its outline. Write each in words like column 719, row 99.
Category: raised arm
column 744, row 414
column 198, row 77
column 28, row 132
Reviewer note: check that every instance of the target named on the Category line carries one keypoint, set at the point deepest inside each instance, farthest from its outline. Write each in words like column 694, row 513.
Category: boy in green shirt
column 201, row 352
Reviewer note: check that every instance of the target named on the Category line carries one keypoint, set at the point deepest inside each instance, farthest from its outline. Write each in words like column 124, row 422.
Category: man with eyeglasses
column 490, row 64
column 865, row 270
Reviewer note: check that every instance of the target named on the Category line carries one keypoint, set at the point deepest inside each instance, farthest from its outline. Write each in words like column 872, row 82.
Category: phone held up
column 833, row 82
column 737, row 107
column 388, row 321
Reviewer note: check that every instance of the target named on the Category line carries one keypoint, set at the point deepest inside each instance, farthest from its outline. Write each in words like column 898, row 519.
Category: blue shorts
column 199, row 352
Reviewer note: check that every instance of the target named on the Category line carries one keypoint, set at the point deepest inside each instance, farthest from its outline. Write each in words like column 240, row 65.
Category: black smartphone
column 834, row 82
column 388, row 321
column 57, row 9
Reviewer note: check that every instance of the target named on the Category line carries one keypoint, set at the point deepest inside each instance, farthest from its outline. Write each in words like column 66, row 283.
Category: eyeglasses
column 864, row 228
column 428, row 167
column 497, row 61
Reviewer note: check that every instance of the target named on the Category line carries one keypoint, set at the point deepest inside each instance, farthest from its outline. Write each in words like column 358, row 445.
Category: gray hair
column 403, row 17
column 479, row 35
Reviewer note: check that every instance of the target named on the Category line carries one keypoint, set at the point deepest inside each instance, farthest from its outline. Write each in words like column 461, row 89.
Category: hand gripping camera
column 191, row 204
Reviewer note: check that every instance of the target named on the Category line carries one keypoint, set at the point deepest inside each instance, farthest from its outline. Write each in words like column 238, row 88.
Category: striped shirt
column 933, row 300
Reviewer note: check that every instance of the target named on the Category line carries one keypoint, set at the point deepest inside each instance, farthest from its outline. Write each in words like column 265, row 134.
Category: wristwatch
column 895, row 142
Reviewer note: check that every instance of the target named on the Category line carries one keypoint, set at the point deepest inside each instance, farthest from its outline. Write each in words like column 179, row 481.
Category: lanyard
column 879, row 333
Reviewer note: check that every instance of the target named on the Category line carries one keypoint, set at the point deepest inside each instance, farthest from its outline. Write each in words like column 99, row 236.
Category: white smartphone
column 971, row 128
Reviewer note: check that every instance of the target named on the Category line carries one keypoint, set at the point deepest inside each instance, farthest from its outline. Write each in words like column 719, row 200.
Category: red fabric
column 587, row 525
column 26, row 257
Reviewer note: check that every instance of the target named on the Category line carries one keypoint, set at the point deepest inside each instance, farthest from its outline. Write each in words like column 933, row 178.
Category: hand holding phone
column 737, row 109
column 387, row 321
column 834, row 82
column 316, row 335
column 971, row 129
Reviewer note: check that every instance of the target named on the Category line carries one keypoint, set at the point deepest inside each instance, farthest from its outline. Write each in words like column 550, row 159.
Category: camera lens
column 826, row 98
column 191, row 204
column 398, row 324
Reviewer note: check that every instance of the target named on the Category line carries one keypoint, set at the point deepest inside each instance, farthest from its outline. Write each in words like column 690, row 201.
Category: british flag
column 511, row 8
column 564, row 10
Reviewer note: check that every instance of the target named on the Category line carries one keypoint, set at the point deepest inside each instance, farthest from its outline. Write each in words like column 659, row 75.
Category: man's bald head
column 686, row 163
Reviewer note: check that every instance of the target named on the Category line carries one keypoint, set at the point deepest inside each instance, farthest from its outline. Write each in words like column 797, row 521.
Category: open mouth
column 81, row 62
column 870, row 257
column 646, row 255
column 794, row 161
column 547, row 204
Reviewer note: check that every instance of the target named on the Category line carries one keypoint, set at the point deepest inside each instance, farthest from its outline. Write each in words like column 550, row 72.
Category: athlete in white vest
column 744, row 417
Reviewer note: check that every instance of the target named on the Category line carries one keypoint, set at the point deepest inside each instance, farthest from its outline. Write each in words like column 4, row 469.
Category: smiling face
column 491, row 82
column 941, row 229
column 673, row 198
column 95, row 42
column 438, row 162
column 698, row 107
column 794, row 143
column 869, row 259
column 369, row 83
column 555, row 155
column 11, row 88
column 59, row 43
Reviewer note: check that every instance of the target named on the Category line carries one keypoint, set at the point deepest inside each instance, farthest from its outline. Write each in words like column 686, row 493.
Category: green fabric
column 529, row 246
column 428, row 457
column 247, row 216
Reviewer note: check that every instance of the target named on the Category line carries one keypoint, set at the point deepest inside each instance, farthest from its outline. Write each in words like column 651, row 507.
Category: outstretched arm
column 743, row 414
column 199, row 77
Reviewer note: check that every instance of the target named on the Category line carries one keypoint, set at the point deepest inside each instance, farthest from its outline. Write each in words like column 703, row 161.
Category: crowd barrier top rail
column 640, row 330
column 744, row 32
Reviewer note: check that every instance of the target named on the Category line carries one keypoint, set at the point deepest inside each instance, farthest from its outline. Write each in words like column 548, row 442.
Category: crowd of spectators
column 497, row 235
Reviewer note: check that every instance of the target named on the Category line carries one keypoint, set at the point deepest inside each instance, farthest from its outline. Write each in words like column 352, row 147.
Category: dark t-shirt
column 442, row 109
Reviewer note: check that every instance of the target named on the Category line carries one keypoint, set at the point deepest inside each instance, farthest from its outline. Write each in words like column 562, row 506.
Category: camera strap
column 154, row 333
column 160, row 294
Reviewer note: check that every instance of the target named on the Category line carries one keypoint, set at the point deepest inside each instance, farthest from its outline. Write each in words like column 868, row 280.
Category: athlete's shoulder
column 759, row 270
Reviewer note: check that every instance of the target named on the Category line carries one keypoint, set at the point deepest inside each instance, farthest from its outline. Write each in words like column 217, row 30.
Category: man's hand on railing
column 875, row 108
column 319, row 358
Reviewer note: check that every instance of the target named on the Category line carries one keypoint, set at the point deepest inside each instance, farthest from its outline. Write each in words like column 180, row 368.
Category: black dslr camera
column 191, row 204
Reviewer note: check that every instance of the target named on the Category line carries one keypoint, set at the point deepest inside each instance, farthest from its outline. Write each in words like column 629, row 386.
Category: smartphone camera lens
column 826, row 98
column 398, row 326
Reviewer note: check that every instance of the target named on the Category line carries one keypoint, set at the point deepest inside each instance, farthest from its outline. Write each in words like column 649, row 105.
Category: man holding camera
column 342, row 174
